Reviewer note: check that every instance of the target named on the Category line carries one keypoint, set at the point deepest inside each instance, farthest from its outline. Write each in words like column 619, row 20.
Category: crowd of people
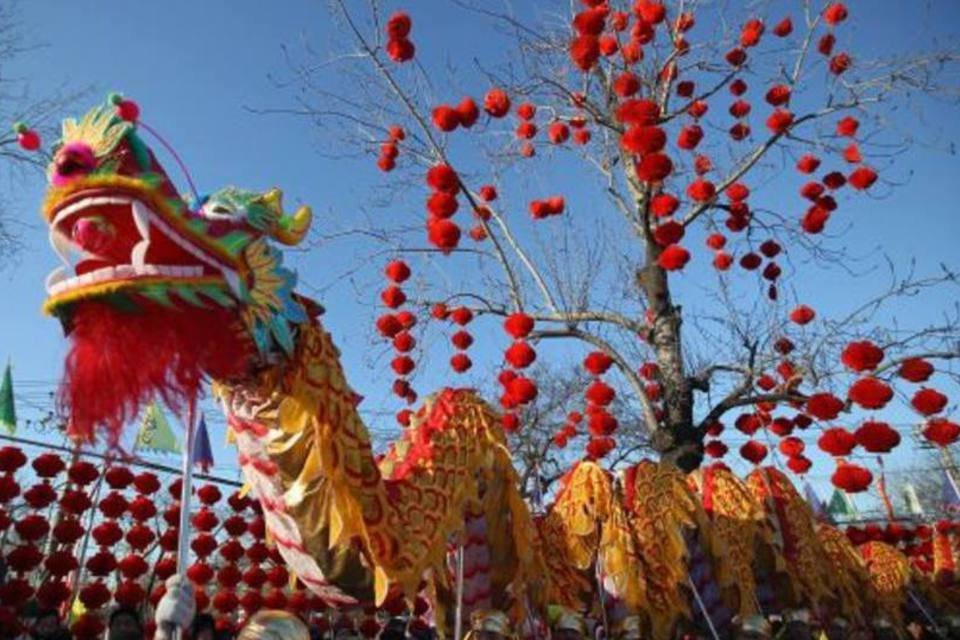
column 176, row 613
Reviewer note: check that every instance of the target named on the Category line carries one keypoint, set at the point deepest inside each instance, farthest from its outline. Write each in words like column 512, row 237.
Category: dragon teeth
column 61, row 245
column 56, row 276
column 232, row 279
column 138, row 256
column 141, row 218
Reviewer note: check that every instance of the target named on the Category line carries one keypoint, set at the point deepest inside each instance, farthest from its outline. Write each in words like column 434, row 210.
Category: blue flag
column 202, row 453
column 949, row 494
column 816, row 504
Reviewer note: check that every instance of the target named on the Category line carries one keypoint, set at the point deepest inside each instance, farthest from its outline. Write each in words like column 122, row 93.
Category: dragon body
column 200, row 291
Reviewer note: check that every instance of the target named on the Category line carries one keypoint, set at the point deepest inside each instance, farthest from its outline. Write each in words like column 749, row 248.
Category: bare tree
column 644, row 123
column 20, row 103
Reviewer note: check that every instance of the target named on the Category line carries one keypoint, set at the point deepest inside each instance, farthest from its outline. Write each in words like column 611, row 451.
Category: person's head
column 951, row 626
column 797, row 624
column 490, row 625
column 915, row 629
column 395, row 629
column 124, row 624
column 753, row 627
column 630, row 628
column 203, row 627
column 570, row 625
column 883, row 629
column 838, row 629
column 274, row 625
column 45, row 624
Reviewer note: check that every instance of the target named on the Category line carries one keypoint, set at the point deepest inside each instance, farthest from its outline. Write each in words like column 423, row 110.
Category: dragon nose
column 93, row 235
column 75, row 160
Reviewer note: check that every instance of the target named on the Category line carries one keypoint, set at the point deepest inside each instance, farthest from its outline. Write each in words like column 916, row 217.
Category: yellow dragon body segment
column 737, row 528
column 890, row 574
column 847, row 571
column 794, row 536
column 660, row 508
column 300, row 425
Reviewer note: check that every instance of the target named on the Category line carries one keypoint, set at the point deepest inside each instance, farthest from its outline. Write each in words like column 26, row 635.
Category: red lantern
column 870, row 393
column 753, row 451
column 851, row 478
column 928, row 401
column 48, row 465
column 799, row 464
column 837, row 441
column 941, row 432
column 877, row 437
column 862, row 356
column 824, row 406
column 915, row 370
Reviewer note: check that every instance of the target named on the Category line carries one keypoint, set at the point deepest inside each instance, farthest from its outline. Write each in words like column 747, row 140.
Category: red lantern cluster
column 518, row 389
column 396, row 325
column 390, row 149
column 442, row 204
column 399, row 46
column 461, row 339
column 447, row 118
column 552, row 206
column 602, row 425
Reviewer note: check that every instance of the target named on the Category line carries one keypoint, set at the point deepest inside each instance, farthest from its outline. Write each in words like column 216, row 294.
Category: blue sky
column 196, row 67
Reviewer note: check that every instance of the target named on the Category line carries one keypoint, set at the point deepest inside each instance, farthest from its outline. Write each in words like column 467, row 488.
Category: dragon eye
column 219, row 211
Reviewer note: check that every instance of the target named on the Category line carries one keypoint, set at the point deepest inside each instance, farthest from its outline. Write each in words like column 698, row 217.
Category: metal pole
column 923, row 610
column 458, row 612
column 183, row 548
column 703, row 608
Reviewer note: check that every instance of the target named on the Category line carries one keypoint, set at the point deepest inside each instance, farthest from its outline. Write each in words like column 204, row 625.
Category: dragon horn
column 289, row 230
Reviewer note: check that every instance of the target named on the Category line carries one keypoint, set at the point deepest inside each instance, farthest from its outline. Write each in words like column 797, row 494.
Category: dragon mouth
column 113, row 242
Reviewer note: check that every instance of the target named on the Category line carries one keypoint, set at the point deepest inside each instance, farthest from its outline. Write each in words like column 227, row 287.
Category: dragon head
column 192, row 287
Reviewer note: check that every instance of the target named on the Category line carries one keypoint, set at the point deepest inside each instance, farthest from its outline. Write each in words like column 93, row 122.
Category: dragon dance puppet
column 158, row 295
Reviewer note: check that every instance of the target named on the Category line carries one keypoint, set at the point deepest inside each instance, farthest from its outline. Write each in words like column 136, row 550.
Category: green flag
column 155, row 433
column 8, row 412
column 840, row 505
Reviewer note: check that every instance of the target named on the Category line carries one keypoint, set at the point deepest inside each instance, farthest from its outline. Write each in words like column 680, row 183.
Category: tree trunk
column 677, row 439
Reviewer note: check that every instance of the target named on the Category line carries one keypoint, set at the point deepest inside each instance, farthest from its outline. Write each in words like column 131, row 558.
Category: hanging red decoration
column 715, row 448
column 799, row 464
column 520, row 355
column 861, row 356
column 862, row 178
column 824, row 406
column 929, row 401
column 753, row 451
column 870, row 393
column 837, row 441
column 48, row 465
column 597, row 362
column 915, row 370
column 467, row 112
column 496, row 103
column 851, row 478
column 877, row 437
column 599, row 447
column 941, row 432
column 791, row 446
column 460, row 362
column 673, row 258
column 802, row 315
